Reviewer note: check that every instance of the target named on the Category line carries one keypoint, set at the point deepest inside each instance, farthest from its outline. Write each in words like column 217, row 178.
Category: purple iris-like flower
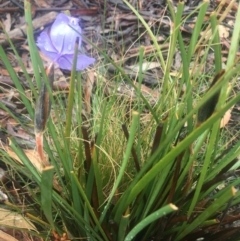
column 58, row 44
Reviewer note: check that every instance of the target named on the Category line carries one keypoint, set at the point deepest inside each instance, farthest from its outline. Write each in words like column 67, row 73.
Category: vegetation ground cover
column 140, row 145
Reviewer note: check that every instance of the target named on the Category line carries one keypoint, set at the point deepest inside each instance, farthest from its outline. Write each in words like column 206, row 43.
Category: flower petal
column 63, row 37
column 83, row 61
column 46, row 47
column 65, row 63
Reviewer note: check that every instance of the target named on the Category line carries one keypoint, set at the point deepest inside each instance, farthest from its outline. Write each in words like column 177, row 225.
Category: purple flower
column 58, row 44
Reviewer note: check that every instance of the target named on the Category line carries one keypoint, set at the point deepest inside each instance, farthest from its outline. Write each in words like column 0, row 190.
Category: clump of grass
column 122, row 177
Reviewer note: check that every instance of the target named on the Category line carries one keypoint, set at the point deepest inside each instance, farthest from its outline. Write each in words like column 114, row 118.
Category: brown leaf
column 7, row 22
column 223, row 31
column 31, row 154
column 226, row 118
column 40, row 151
column 6, row 237
column 21, row 133
column 13, row 219
column 88, row 91
column 145, row 66
column 43, row 3
column 84, row 11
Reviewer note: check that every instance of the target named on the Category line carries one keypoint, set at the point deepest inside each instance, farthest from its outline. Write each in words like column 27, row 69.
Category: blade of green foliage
column 46, row 193
column 70, row 103
column 35, row 58
column 139, row 106
column 191, row 49
column 172, row 45
column 216, row 42
column 97, row 174
column 234, row 41
column 81, row 190
column 189, row 162
column 231, row 54
column 204, row 170
column 209, row 223
column 185, row 80
column 197, row 29
column 79, row 118
column 124, row 225
column 71, row 96
column 55, row 162
column 149, row 219
column 38, row 68
column 158, row 186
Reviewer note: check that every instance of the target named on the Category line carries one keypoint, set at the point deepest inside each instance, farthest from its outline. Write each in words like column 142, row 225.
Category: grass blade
column 46, row 193
column 71, row 95
column 216, row 43
column 149, row 219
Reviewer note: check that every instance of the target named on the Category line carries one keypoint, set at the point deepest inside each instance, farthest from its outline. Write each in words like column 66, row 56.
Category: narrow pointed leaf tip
column 58, row 43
